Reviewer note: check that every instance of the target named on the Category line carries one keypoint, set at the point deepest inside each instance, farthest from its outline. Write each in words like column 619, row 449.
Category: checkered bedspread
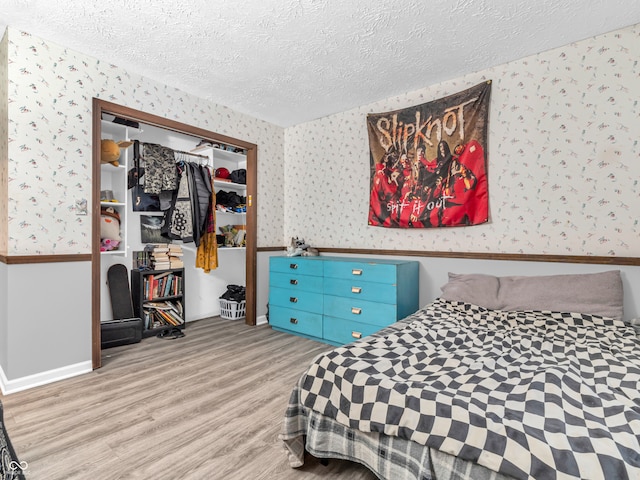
column 533, row 395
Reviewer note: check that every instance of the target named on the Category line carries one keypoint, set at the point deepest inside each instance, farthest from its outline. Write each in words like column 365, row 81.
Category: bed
column 10, row 467
column 498, row 378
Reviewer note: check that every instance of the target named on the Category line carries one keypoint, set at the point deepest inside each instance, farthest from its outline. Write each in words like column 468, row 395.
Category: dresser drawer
column 300, row 300
column 298, row 265
column 364, row 271
column 381, row 314
column 357, row 289
column 342, row 331
column 296, row 321
column 294, row 282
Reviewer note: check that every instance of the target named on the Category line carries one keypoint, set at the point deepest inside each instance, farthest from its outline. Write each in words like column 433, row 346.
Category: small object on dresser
column 299, row 248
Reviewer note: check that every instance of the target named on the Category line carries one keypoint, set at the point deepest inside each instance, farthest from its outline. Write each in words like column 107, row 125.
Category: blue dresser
column 338, row 300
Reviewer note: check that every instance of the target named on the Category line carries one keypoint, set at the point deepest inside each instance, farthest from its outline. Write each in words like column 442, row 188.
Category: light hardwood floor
column 205, row 406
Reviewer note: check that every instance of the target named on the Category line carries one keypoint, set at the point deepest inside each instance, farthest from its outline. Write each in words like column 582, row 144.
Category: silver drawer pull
column 293, row 266
column 293, row 299
column 356, row 310
column 356, row 290
column 294, row 321
column 356, row 334
column 293, row 281
column 356, row 271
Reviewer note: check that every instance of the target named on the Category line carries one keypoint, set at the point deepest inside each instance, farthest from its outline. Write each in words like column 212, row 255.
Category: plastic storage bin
column 232, row 310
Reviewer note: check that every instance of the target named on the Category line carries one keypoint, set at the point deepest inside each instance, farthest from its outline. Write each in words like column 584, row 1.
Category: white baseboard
column 12, row 386
column 262, row 320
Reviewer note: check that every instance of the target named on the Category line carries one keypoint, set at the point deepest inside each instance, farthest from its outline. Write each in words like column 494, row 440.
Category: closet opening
column 198, row 149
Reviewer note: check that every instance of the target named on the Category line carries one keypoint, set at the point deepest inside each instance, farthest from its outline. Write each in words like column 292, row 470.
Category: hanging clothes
column 179, row 219
column 207, row 253
column 191, row 213
column 200, row 190
column 160, row 168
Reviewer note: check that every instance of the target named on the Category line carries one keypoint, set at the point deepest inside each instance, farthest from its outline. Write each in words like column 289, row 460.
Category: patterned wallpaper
column 563, row 160
column 50, row 90
column 4, row 147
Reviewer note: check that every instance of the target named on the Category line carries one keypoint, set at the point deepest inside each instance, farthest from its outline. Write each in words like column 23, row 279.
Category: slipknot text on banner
column 428, row 163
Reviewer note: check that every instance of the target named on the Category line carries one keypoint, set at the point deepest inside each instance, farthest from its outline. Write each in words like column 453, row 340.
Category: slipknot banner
column 428, row 163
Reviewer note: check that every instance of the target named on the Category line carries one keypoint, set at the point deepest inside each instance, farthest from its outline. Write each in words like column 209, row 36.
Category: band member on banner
column 429, row 164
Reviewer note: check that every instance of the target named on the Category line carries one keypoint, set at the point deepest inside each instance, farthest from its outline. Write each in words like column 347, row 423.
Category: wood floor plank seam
column 208, row 405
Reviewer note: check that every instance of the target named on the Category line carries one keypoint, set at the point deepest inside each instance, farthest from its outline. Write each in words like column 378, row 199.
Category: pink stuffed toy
column 106, row 244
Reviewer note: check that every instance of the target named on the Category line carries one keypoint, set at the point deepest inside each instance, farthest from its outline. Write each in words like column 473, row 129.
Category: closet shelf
column 194, row 249
column 222, row 185
column 115, row 252
column 221, row 154
column 110, row 128
column 239, row 214
column 109, row 167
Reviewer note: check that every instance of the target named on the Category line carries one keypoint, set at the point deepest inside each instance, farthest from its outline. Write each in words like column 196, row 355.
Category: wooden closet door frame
column 102, row 106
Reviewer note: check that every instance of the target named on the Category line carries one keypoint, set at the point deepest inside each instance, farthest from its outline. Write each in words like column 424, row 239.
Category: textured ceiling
column 291, row 61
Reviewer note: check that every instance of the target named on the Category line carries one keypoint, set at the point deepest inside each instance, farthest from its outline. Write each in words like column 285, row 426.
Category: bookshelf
column 158, row 299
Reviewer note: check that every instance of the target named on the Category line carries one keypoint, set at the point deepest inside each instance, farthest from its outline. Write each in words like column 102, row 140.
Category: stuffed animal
column 106, row 244
column 110, row 150
column 109, row 224
column 299, row 248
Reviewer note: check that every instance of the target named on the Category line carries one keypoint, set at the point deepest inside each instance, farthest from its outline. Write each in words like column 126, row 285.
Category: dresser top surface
column 372, row 261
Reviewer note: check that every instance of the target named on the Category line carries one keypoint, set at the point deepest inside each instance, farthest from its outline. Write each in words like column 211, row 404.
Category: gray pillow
column 589, row 293
column 475, row 288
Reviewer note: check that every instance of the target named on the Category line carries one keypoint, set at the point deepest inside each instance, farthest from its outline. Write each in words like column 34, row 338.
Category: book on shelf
column 154, row 319
column 168, row 318
column 157, row 247
column 141, row 260
column 166, row 291
column 158, row 314
column 158, row 305
column 165, row 284
column 175, row 256
column 159, row 256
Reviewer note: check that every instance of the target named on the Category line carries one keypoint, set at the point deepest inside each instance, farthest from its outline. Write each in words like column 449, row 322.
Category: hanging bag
column 136, row 172
column 141, row 201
